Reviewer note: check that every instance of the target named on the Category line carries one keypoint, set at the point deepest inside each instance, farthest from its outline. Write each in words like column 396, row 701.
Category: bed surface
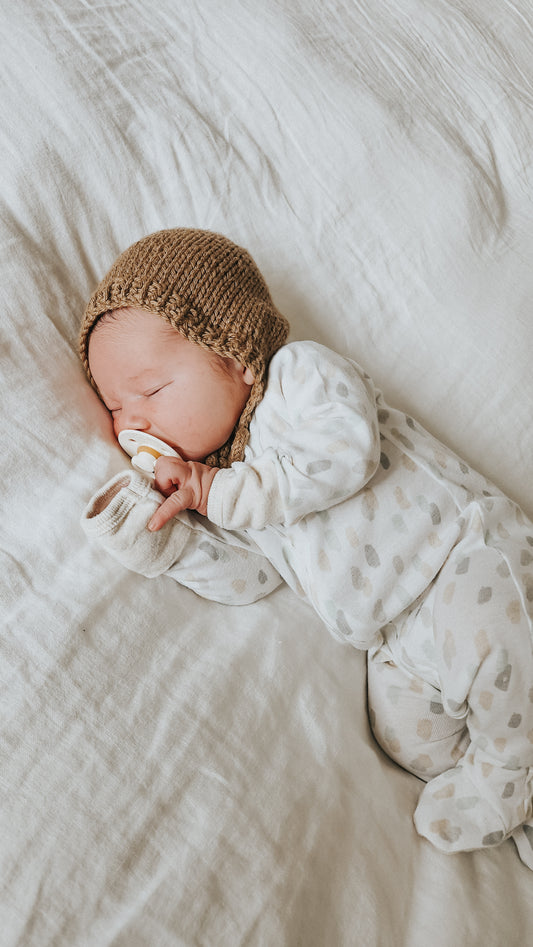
column 173, row 771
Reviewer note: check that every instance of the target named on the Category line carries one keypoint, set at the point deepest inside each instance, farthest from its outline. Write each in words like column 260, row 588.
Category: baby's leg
column 409, row 722
column 483, row 639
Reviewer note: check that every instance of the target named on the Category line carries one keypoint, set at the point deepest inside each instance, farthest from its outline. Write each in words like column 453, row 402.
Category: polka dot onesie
column 404, row 552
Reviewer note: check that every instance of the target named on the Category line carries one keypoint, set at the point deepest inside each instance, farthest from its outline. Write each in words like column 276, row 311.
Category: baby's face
column 152, row 379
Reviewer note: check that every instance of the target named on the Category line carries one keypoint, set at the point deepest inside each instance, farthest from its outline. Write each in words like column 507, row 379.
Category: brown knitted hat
column 212, row 292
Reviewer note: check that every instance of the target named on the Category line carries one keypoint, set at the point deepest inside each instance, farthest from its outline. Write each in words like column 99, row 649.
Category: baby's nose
column 133, row 419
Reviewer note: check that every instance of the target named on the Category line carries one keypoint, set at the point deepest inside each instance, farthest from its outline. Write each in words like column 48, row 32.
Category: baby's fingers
column 175, row 503
column 169, row 471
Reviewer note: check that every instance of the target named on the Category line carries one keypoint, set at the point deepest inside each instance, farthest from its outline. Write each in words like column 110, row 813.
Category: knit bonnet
column 212, row 292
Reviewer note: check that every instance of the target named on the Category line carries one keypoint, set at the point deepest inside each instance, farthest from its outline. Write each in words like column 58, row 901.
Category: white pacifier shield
column 144, row 449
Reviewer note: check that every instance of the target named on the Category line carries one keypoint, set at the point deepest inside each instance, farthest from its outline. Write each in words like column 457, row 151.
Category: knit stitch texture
column 212, row 292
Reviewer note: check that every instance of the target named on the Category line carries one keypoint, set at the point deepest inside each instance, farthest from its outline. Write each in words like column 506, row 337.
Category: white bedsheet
column 172, row 771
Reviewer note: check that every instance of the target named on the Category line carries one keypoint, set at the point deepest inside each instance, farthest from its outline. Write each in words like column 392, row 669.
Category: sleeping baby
column 289, row 465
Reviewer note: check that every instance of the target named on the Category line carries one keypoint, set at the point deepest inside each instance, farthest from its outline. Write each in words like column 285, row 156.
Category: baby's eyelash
column 154, row 391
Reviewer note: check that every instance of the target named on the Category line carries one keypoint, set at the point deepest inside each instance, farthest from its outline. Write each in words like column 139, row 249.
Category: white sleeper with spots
column 189, row 549
column 408, row 554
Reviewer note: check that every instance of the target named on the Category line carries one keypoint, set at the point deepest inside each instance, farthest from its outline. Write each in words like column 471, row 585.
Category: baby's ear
column 248, row 377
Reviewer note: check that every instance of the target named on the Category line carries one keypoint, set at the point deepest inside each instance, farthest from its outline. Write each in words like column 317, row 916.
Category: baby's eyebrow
column 144, row 379
column 141, row 374
column 145, row 376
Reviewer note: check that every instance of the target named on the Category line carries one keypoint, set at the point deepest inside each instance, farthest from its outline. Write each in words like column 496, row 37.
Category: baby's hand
column 186, row 485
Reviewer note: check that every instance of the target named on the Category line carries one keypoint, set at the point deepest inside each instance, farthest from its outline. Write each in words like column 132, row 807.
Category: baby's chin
column 194, row 456
column 198, row 456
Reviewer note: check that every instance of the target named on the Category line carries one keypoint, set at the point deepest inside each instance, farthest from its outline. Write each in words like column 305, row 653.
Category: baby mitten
column 117, row 516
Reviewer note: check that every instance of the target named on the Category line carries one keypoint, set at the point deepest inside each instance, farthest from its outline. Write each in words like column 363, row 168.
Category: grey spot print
column 371, row 556
column 410, row 423
column 430, row 508
column 383, row 416
column 467, row 802
column 447, row 832
column 318, row 466
column 342, row 624
column 435, row 469
column 398, row 564
column 528, row 582
column 530, row 540
column 463, row 566
column 211, row 551
column 403, row 596
column 399, row 523
column 526, row 558
column 262, row 577
column 508, row 791
column 378, row 613
column 485, row 595
column 503, row 678
column 370, row 504
column 463, row 468
column 384, row 461
column 436, row 707
column 493, row 838
column 503, row 570
column 403, row 439
column 357, row 578
column 515, row 721
column 342, row 390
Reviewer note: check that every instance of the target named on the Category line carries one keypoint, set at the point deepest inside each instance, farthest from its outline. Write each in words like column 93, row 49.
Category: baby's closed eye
column 154, row 391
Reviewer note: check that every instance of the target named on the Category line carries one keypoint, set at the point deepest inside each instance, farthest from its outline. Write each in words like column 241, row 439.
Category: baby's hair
column 112, row 316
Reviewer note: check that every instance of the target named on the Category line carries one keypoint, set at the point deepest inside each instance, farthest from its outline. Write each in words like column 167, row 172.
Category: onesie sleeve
column 318, row 440
column 198, row 555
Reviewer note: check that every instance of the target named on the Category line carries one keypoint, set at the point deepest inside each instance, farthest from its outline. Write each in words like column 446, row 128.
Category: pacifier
column 144, row 449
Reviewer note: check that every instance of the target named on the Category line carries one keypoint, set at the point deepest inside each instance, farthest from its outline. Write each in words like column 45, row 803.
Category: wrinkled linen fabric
column 175, row 770
column 403, row 551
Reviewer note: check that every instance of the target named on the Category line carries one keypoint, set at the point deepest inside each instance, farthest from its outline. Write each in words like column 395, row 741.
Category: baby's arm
column 214, row 564
column 321, row 436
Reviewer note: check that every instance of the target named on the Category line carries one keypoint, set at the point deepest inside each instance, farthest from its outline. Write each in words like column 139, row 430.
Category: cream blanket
column 175, row 771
